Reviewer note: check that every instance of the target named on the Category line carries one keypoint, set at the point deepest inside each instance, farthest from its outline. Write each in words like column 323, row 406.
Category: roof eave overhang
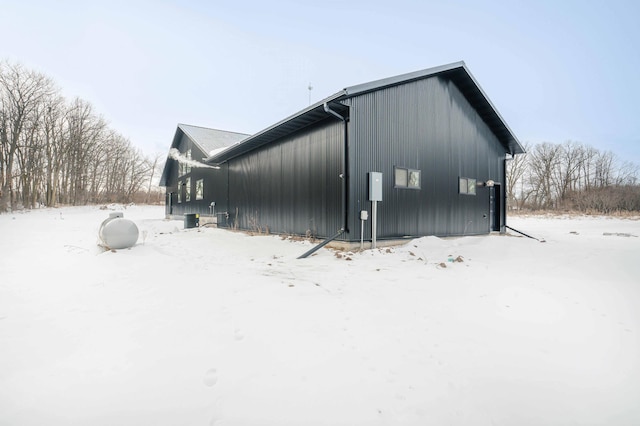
column 469, row 86
column 457, row 72
column 307, row 117
column 167, row 164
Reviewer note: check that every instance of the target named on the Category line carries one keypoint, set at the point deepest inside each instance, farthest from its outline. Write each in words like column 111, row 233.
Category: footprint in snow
column 239, row 335
column 210, row 377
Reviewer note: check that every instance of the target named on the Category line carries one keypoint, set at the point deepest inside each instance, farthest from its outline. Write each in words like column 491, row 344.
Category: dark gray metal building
column 190, row 184
column 434, row 136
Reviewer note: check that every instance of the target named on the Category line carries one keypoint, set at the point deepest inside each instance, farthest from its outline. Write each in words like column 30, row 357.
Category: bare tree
column 566, row 173
column 627, row 173
column 604, row 162
column 51, row 151
column 517, row 166
column 153, row 168
column 85, row 132
column 21, row 94
column 572, row 176
column 544, row 160
column 54, row 131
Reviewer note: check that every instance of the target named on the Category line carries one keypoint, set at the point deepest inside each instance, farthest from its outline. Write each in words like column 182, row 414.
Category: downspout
column 345, row 167
column 503, row 216
column 332, row 112
column 503, row 197
column 345, row 185
column 228, row 226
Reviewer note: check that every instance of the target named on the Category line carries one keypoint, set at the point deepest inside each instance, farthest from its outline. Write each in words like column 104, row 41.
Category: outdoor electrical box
column 375, row 186
column 364, row 215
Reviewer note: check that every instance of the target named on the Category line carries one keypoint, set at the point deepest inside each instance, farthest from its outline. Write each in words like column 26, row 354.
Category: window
column 401, row 177
column 183, row 166
column 187, row 190
column 406, row 178
column 179, row 191
column 414, row 179
column 471, row 187
column 467, row 186
column 199, row 189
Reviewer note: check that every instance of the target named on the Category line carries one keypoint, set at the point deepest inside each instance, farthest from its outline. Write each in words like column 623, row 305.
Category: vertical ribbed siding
column 214, row 183
column 291, row 186
column 430, row 126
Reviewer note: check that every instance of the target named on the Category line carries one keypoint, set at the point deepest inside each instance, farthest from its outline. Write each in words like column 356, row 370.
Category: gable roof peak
column 456, row 72
column 403, row 78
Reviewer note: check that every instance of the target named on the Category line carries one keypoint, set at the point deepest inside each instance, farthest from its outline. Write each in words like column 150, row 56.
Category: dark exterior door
column 495, row 207
column 169, row 204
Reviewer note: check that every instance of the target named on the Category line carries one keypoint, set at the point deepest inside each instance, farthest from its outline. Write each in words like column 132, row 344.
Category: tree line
column 572, row 176
column 54, row 151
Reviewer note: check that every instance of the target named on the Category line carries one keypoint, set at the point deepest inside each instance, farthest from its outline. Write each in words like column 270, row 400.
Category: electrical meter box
column 375, row 186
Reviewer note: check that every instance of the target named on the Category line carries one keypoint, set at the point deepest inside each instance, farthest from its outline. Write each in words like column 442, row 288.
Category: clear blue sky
column 555, row 70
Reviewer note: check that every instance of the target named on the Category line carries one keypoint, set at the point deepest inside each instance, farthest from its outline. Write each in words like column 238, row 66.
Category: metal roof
column 308, row 116
column 210, row 139
column 456, row 72
column 468, row 85
column 207, row 140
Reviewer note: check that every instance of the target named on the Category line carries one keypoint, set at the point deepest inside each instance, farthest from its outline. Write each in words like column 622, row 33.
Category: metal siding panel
column 215, row 184
column 291, row 186
column 430, row 126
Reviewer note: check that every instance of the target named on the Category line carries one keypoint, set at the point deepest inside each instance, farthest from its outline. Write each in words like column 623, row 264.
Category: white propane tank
column 117, row 232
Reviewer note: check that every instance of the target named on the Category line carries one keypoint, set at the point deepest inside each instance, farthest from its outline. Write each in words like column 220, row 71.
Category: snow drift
column 211, row 327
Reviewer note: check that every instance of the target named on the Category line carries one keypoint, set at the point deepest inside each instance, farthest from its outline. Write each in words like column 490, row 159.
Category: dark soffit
column 307, row 117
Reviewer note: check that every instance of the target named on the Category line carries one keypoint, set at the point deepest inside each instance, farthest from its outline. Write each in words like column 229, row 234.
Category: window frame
column 187, row 190
column 187, row 166
column 469, row 187
column 184, row 168
column 413, row 173
column 407, row 182
column 200, row 189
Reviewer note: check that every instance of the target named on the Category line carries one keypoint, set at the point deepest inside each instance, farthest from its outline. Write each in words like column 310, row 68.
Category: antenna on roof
column 310, row 87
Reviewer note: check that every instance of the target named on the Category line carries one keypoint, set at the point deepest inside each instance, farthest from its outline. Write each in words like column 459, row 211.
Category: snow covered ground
column 211, row 327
